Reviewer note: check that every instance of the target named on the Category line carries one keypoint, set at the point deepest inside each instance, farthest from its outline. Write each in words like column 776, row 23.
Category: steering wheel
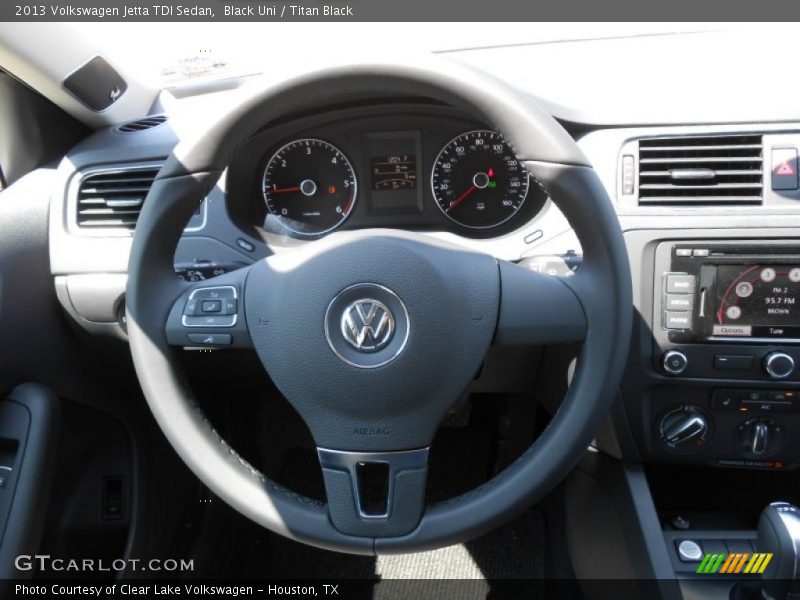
column 373, row 335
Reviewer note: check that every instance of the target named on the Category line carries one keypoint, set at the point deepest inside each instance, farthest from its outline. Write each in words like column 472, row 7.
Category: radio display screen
column 758, row 301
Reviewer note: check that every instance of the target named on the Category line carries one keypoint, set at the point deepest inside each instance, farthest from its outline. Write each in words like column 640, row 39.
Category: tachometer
column 477, row 181
column 310, row 186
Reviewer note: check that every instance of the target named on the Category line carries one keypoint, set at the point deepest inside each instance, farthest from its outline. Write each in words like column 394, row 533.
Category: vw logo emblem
column 367, row 325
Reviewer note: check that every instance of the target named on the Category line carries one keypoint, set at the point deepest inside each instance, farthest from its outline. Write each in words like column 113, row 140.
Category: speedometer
column 309, row 186
column 477, row 181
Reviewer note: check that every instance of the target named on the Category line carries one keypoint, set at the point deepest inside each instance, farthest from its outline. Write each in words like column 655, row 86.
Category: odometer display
column 477, row 181
column 309, row 186
column 395, row 172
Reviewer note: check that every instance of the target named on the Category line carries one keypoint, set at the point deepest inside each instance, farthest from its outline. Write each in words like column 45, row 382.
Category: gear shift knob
column 779, row 533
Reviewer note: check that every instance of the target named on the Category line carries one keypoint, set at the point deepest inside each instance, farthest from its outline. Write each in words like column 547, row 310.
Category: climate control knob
column 778, row 365
column 683, row 428
column 759, row 438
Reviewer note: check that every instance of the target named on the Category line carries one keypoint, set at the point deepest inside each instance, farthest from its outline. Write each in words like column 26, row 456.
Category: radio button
column 701, row 252
column 679, row 302
column 683, row 251
column 733, row 363
column 778, row 365
column 675, row 362
column 677, row 320
column 680, row 283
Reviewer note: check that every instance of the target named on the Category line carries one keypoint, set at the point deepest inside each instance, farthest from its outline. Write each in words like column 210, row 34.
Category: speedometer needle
column 461, row 198
column 282, row 190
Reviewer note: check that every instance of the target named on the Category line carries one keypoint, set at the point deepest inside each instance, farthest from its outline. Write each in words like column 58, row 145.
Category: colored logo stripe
column 734, row 563
column 763, row 561
column 710, row 563
column 730, row 563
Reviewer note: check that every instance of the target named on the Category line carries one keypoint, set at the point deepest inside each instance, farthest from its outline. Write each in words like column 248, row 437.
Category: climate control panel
column 753, row 428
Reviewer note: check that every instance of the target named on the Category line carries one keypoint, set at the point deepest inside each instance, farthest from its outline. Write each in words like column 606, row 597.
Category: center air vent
column 113, row 199
column 703, row 170
column 142, row 124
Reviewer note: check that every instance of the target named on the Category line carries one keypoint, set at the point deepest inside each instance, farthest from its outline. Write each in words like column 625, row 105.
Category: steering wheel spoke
column 537, row 309
column 376, row 494
column 210, row 314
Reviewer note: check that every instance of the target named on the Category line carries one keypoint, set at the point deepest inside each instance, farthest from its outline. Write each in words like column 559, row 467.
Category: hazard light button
column 784, row 169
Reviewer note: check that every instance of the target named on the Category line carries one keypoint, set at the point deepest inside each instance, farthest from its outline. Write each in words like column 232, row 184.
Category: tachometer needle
column 461, row 198
column 282, row 190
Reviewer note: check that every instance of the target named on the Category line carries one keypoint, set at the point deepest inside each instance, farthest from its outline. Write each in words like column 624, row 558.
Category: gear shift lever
column 779, row 533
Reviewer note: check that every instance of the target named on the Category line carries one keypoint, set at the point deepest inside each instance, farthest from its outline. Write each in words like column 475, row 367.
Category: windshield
column 174, row 53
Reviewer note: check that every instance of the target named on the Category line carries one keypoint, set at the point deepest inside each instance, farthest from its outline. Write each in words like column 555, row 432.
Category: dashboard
column 712, row 376
column 409, row 163
column 413, row 167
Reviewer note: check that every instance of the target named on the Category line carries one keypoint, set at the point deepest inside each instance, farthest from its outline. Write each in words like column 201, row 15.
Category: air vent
column 142, row 124
column 113, row 199
column 701, row 170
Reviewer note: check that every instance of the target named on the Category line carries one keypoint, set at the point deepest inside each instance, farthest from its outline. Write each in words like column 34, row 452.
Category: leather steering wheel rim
column 602, row 287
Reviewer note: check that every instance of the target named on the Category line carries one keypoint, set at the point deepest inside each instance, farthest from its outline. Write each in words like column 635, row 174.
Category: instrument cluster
column 424, row 168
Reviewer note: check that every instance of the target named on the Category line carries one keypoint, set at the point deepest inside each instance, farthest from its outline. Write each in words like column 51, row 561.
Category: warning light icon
column 785, row 169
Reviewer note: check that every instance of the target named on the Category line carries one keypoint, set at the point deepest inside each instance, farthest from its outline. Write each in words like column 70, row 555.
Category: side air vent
column 705, row 170
column 142, row 124
column 113, row 199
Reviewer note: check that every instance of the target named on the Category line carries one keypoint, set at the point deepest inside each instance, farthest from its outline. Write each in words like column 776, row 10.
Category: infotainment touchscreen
column 757, row 300
column 730, row 292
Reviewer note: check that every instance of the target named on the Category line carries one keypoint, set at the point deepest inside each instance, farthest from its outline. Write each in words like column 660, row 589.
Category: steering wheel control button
column 210, row 339
column 675, row 362
column 367, row 325
column 689, row 551
column 210, row 321
column 778, row 365
column 211, row 307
